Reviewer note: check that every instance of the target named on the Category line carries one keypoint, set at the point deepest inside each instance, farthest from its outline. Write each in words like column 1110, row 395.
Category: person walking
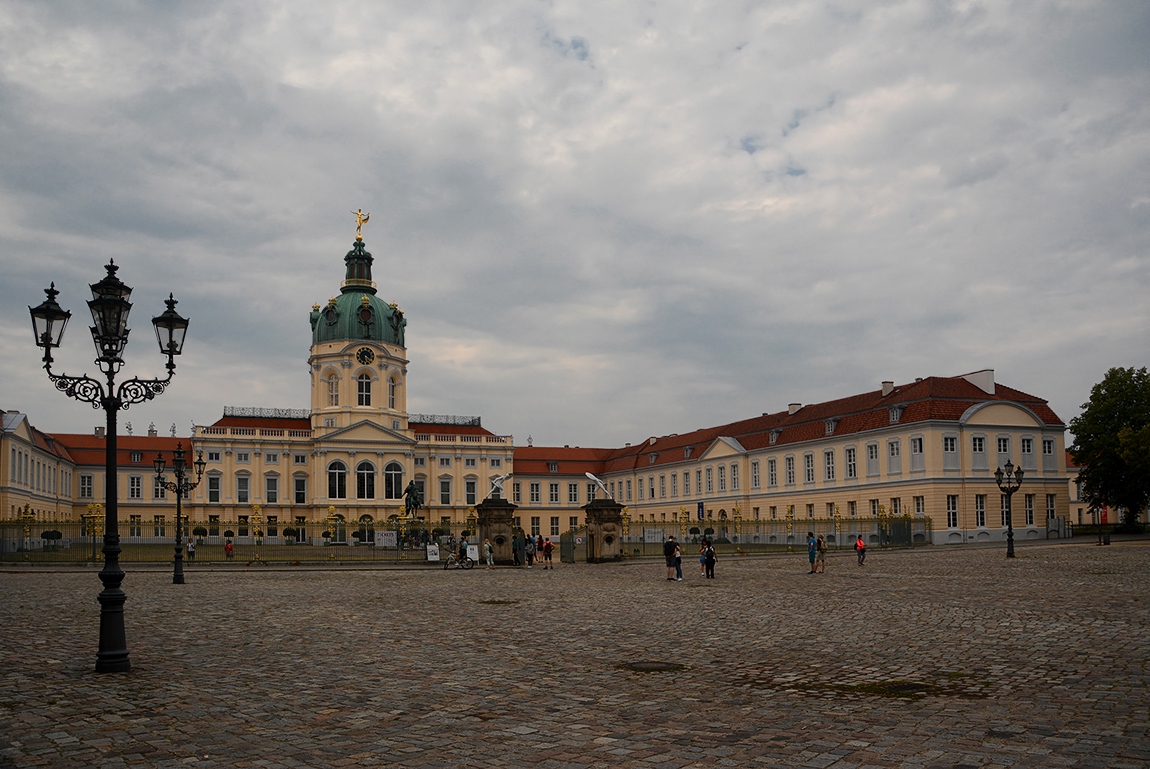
column 529, row 549
column 548, row 548
column 191, row 550
column 812, row 549
column 516, row 551
column 703, row 557
column 709, row 561
column 488, row 554
column 821, row 554
column 860, row 548
column 229, row 550
column 669, row 548
column 678, row 563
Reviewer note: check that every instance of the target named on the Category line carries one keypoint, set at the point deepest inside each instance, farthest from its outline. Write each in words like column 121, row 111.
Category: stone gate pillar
column 604, row 528
column 495, row 515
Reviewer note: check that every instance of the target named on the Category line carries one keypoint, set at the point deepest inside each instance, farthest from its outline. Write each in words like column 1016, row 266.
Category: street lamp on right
column 1008, row 483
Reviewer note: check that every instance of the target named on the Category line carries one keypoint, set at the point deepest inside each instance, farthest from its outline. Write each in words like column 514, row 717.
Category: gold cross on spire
column 360, row 220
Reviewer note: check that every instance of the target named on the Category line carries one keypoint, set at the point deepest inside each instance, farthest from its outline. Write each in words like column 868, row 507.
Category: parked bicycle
column 453, row 561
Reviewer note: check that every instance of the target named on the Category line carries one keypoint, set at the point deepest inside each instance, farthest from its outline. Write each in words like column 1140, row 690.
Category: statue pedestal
column 495, row 516
column 604, row 528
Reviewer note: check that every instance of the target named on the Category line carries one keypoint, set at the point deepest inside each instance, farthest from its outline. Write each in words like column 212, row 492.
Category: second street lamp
column 180, row 487
column 1008, row 483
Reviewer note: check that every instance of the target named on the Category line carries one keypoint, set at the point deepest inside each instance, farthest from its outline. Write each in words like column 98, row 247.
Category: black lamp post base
column 178, row 572
column 113, row 654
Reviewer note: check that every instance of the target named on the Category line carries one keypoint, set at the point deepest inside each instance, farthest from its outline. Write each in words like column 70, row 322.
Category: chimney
column 793, row 407
column 152, row 430
column 652, row 441
column 917, row 379
column 99, row 432
column 887, row 388
column 983, row 380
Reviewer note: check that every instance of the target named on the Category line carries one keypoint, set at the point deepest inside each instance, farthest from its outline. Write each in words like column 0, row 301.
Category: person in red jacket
column 860, row 548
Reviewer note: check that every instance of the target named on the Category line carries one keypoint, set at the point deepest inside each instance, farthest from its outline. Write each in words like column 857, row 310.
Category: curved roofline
column 966, row 415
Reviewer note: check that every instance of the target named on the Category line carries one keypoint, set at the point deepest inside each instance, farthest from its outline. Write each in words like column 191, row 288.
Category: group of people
column 673, row 554
column 817, row 552
column 531, row 550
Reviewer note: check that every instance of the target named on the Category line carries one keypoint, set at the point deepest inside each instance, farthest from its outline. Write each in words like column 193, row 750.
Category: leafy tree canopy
column 1112, row 442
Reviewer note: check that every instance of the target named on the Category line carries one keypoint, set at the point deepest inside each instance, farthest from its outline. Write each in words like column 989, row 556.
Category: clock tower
column 358, row 359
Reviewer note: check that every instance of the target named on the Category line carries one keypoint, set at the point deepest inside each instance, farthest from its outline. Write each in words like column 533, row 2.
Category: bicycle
column 453, row 560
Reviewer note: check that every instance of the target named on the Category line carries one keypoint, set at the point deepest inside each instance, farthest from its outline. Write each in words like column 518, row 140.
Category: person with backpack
column 812, row 550
column 529, row 549
column 548, row 548
column 860, row 548
column 709, row 561
column 821, row 554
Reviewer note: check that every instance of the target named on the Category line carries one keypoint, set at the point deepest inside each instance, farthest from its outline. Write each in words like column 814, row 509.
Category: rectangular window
column 242, row 525
column 135, row 487
column 852, row 465
column 299, row 459
column 553, row 493
column 674, row 484
column 662, row 487
column 553, row 467
column 213, row 488
column 445, row 491
column 1028, row 460
column 790, row 470
column 534, row 488
column 874, row 508
column 1029, row 502
column 592, row 491
column 920, row 505
column 980, row 510
column 774, row 512
column 445, row 461
column 272, row 490
column 573, row 493
column 808, row 468
column 573, row 522
column 1003, row 445
column 829, row 465
column 555, row 526
column 734, row 477
column 755, row 474
column 894, row 457
column 853, row 508
column 137, row 457
column 896, row 506
column 497, row 463
column 831, row 509
column 301, row 491
column 213, row 526
column 710, row 471
column 469, row 462
column 272, row 459
column 243, row 456
column 1050, row 509
column 213, row 456
column 159, row 491
column 135, row 526
column 628, row 490
column 722, row 478
column 516, row 493
column 698, row 481
column 1002, row 506
column 772, row 473
column 950, row 452
column 419, row 462
column 978, row 453
column 872, row 459
column 917, row 458
column 1048, row 464
column 639, row 489
column 810, row 510
column 686, row 484
column 469, row 492
column 952, row 511
column 273, row 525
column 159, row 526
column 242, row 489
column 535, row 526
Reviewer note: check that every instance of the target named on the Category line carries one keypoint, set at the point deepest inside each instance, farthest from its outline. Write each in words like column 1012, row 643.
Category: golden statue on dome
column 360, row 220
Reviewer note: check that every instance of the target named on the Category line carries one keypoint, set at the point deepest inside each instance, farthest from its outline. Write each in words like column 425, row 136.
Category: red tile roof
column 87, row 449
column 268, row 423
column 422, row 427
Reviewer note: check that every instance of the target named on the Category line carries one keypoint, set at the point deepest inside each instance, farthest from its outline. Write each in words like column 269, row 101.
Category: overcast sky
column 604, row 221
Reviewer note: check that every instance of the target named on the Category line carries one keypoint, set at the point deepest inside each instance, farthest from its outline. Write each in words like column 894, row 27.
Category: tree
column 1112, row 443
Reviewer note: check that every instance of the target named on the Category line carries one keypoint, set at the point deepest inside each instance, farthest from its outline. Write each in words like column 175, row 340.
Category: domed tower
column 358, row 359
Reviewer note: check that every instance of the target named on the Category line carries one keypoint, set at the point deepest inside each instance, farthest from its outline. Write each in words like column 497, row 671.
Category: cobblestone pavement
column 929, row 658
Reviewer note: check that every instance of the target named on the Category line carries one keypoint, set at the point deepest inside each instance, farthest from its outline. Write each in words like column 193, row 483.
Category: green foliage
column 1112, row 442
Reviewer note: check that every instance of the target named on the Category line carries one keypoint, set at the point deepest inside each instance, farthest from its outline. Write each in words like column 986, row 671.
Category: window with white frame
column 469, row 491
column 552, row 467
column 159, row 490
column 299, row 459
column 419, row 462
column 772, row 473
column 555, row 526
column 874, row 508
column 755, row 474
column 734, row 477
column 496, row 463
column 300, row 491
column 978, row 452
column 332, row 389
column 917, row 458
column 271, row 458
column 952, row 511
column 365, row 480
column 573, row 493
column 213, row 456
column 950, row 452
column 896, row 506
column 553, row 493
column 516, row 493
column 1003, row 445
column 808, row 468
column 1050, row 507
column 337, row 480
column 445, row 491
column 674, row 484
column 710, row 480
column 639, row 488
column 699, row 481
column 1002, row 502
column 980, row 510
column 1029, row 506
column 920, row 506
column 534, row 488
column 363, row 388
column 470, row 462
column 789, row 462
column 686, row 484
column 445, row 461
column 213, row 488
column 135, row 487
column 243, row 457
column 662, row 487
column 853, row 508
column 1028, row 459
column 852, row 465
column 628, row 489
column 1048, row 461
column 722, row 473
column 272, row 490
column 829, row 465
column 243, row 489
column 872, row 459
column 592, row 491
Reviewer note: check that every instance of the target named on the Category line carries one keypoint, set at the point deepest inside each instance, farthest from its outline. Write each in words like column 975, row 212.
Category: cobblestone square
column 926, row 658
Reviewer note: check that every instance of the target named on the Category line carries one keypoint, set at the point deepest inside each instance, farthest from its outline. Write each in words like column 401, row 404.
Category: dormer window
column 553, row 467
column 687, row 453
column 895, row 414
column 653, row 457
column 774, row 437
column 830, row 424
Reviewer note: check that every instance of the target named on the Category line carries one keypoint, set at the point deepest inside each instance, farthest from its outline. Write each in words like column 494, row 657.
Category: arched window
column 337, row 480
column 366, row 529
column 333, row 389
column 364, row 381
column 393, row 481
column 365, row 481
column 392, row 386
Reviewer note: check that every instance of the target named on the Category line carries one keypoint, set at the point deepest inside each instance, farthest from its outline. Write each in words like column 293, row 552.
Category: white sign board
column 385, row 539
column 433, row 552
column 473, row 552
column 578, row 540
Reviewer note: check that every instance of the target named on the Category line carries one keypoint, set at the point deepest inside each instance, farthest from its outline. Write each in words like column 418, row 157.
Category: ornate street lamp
column 109, row 306
column 27, row 517
column 1008, row 483
column 180, row 487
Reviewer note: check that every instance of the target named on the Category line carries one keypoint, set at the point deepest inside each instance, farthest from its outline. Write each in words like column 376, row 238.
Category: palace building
column 924, row 450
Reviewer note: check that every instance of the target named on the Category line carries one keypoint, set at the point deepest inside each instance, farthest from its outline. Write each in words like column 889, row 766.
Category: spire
column 358, row 277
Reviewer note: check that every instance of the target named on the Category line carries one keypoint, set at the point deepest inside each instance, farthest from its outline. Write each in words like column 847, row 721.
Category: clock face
column 364, row 355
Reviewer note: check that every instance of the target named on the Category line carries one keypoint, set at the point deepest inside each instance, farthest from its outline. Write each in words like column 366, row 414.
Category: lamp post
column 257, row 532
column 331, row 530
column 109, row 306
column 182, row 486
column 1008, row 483
column 27, row 517
column 92, row 521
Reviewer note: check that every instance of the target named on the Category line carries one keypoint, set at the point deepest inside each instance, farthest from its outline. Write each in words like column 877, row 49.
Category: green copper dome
column 357, row 313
